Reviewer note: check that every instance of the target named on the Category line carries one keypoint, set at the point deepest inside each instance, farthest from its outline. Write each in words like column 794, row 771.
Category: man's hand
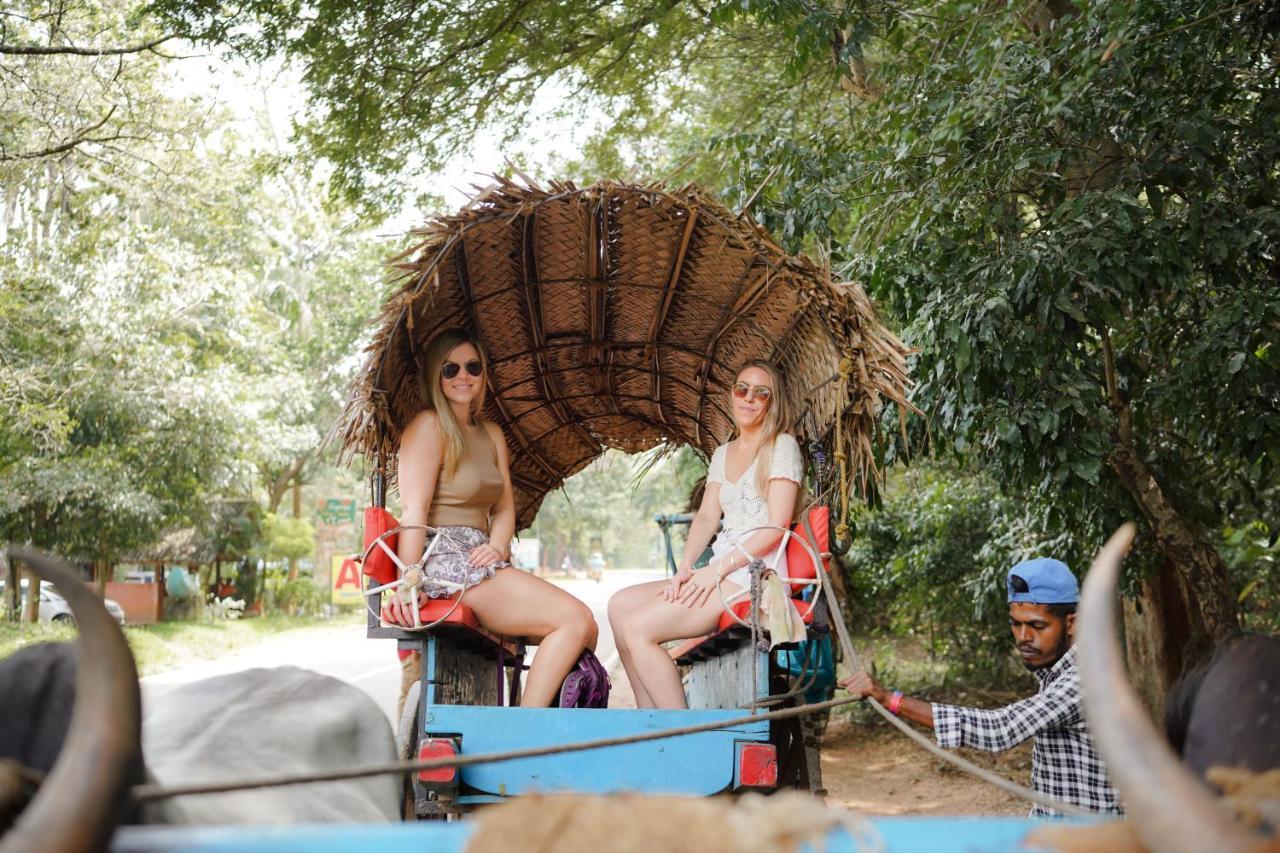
column 671, row 592
column 861, row 685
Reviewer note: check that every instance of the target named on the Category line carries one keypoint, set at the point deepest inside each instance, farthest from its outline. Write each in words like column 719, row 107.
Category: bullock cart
column 617, row 316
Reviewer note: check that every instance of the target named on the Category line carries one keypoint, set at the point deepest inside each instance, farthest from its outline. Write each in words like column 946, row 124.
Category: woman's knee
column 583, row 621
column 617, row 611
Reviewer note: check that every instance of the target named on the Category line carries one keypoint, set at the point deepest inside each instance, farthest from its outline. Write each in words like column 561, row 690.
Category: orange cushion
column 799, row 563
column 378, row 565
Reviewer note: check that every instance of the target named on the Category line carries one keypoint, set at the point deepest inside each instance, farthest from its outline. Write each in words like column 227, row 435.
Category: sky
column 250, row 91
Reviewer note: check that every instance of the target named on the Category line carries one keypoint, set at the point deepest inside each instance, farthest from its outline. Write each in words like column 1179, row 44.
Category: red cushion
column 431, row 609
column 799, row 563
column 378, row 565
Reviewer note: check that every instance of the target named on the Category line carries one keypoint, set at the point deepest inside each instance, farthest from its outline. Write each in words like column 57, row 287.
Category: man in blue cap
column 1043, row 594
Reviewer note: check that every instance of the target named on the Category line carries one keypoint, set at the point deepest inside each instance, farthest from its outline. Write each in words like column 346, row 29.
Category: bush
column 1251, row 553
column 930, row 563
column 299, row 597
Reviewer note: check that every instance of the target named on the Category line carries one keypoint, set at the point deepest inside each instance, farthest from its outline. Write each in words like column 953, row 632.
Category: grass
column 167, row 645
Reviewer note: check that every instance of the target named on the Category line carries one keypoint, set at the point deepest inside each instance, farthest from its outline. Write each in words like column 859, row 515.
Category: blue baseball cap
column 1047, row 581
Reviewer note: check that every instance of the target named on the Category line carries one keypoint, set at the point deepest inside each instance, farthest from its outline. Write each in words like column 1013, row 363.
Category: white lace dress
column 744, row 507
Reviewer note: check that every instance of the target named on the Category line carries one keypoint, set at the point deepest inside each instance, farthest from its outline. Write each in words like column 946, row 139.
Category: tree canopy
column 1069, row 209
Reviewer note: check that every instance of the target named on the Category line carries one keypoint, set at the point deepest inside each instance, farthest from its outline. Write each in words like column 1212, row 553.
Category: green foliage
column 287, row 538
column 610, row 506
column 1252, row 553
column 180, row 310
column 931, row 562
column 401, row 86
column 298, row 597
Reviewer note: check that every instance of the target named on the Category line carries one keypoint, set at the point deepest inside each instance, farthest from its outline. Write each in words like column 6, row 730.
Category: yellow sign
column 345, row 577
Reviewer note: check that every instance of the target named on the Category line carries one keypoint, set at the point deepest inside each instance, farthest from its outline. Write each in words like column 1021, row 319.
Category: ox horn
column 1169, row 807
column 77, row 806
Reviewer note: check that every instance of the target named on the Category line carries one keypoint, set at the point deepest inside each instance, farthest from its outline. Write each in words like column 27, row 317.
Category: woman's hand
column 699, row 588
column 485, row 555
column 671, row 591
column 399, row 607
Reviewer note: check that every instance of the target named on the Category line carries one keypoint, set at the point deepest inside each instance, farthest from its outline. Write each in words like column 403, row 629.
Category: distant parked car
column 54, row 608
column 141, row 576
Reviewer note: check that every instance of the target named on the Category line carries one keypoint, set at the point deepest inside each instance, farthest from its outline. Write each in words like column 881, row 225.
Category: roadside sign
column 345, row 575
column 338, row 511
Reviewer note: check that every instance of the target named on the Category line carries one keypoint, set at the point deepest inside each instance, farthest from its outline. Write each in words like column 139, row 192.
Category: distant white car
column 54, row 608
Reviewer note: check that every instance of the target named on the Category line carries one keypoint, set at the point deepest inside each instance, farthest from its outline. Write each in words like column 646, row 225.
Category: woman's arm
column 420, row 457
column 704, row 525
column 706, row 521
column 502, row 524
column 780, row 499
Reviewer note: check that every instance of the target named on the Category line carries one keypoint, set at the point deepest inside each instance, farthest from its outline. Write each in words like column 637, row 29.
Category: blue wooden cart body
column 698, row 765
column 898, row 835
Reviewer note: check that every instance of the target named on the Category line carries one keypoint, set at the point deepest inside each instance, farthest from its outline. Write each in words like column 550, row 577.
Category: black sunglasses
column 450, row 369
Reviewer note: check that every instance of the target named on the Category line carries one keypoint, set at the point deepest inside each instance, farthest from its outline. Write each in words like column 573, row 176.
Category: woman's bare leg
column 520, row 605
column 655, row 622
column 622, row 604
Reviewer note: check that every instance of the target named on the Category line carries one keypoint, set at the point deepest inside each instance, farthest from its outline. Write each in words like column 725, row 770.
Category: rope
column 756, row 566
column 846, row 645
column 146, row 793
column 842, row 453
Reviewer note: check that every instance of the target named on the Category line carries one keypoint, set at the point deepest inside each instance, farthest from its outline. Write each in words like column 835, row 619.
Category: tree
column 1070, row 208
column 146, row 352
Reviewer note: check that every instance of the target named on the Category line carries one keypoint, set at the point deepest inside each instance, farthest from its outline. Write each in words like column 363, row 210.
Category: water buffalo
column 74, row 712
column 1169, row 805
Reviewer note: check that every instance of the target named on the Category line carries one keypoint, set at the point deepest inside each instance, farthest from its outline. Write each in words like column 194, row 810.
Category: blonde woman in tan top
column 752, row 483
column 453, row 475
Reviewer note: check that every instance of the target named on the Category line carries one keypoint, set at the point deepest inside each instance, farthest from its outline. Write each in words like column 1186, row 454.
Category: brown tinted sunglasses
column 743, row 391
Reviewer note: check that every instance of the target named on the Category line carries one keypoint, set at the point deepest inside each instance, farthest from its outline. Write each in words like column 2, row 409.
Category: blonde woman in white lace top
column 753, row 481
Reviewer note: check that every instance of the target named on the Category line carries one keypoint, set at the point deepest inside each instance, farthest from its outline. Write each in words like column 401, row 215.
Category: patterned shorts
column 449, row 561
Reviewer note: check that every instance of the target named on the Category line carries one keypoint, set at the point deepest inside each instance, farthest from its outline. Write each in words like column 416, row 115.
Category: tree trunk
column 12, row 592
column 277, row 488
column 297, row 513
column 32, row 613
column 1189, row 605
column 1158, row 636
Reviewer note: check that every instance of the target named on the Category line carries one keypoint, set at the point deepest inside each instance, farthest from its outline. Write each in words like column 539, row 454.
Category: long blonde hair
column 433, row 394
column 776, row 420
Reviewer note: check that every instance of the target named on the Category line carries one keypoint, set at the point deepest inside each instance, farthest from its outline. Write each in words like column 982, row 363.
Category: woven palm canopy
column 618, row 315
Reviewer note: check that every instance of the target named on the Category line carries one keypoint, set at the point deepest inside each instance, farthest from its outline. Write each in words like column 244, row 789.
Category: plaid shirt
column 1064, row 763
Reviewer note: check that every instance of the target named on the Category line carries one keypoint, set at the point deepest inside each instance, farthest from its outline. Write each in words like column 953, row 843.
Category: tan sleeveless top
column 466, row 498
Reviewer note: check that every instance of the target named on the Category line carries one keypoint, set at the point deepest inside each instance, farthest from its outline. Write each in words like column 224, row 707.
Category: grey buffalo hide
column 263, row 722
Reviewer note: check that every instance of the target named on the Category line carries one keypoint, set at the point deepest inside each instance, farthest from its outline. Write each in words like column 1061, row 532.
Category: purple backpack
column 586, row 685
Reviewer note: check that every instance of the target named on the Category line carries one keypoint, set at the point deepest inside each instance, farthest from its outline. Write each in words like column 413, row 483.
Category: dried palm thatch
column 617, row 315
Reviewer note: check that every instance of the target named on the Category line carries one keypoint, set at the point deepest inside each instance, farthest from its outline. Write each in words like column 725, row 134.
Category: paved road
column 372, row 665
